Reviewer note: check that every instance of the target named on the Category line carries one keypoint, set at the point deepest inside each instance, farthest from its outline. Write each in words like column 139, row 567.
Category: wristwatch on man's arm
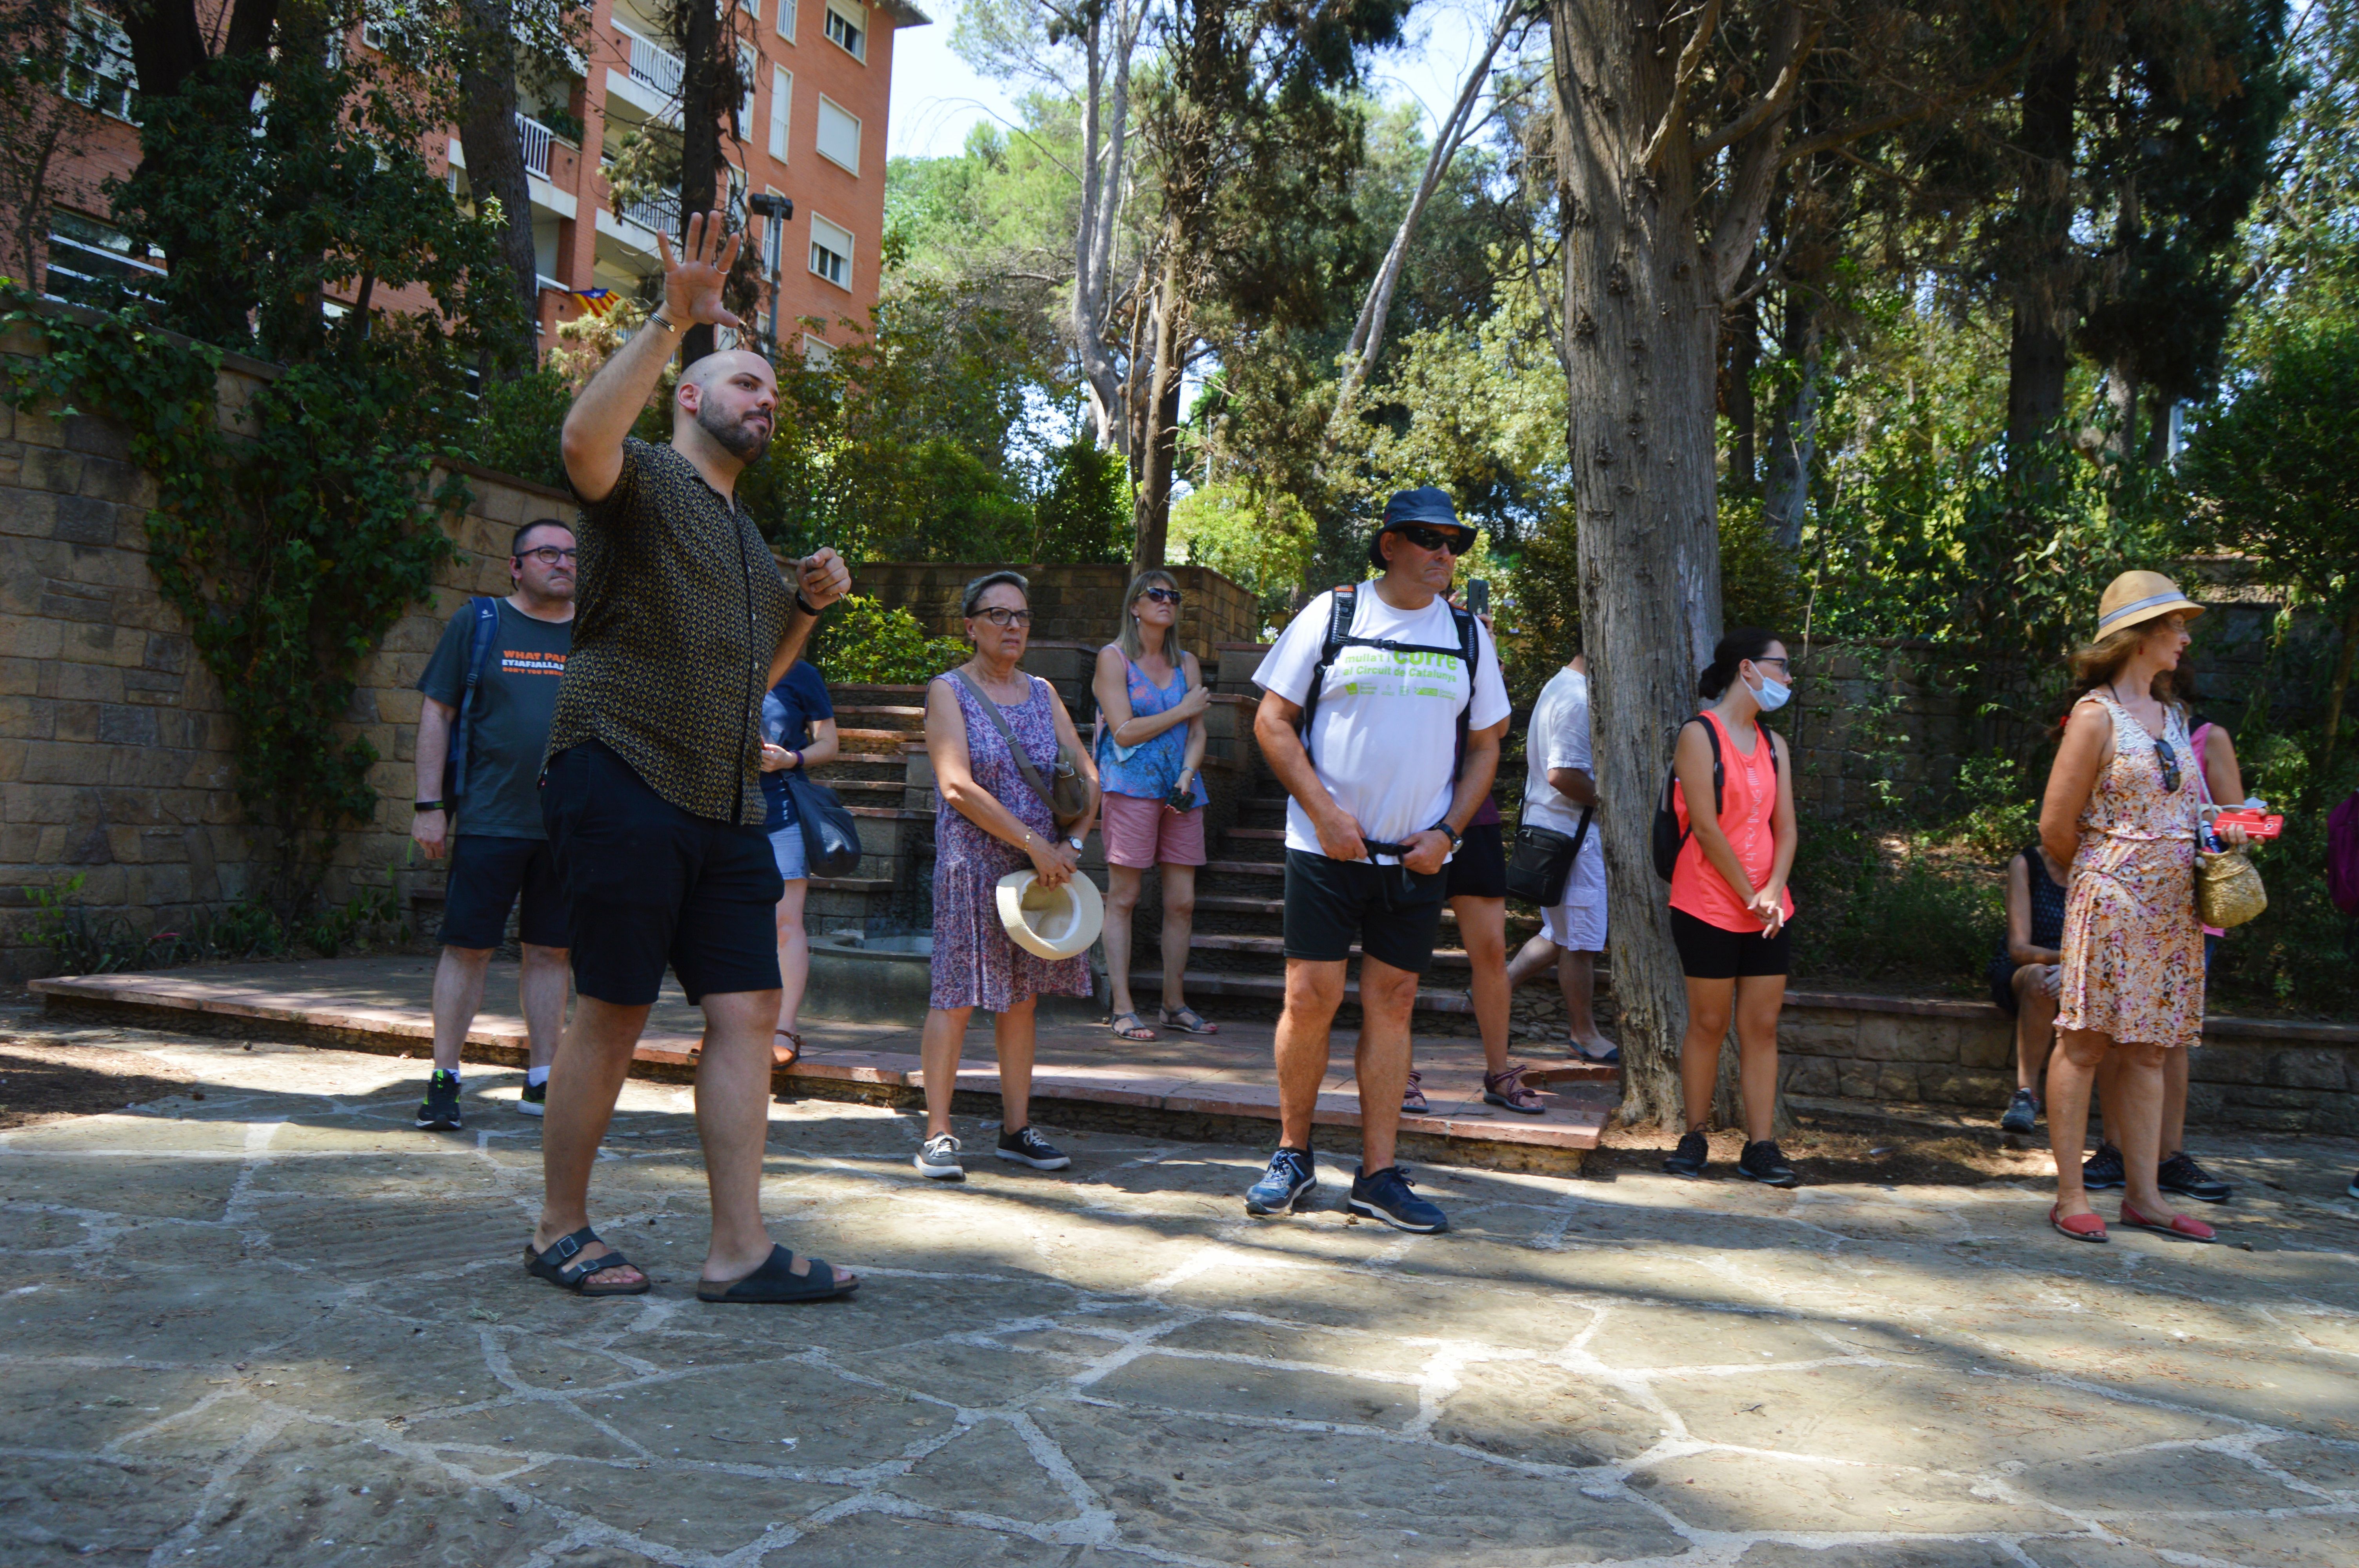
column 1447, row 831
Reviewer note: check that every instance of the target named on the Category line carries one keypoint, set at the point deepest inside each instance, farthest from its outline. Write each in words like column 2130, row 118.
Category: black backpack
column 481, row 634
column 1338, row 637
column 1670, row 838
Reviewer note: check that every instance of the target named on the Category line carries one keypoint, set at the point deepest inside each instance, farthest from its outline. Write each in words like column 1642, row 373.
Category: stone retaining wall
column 1080, row 604
column 2260, row 1075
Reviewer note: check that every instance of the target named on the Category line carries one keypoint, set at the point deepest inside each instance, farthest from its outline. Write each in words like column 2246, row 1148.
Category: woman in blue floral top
column 1150, row 749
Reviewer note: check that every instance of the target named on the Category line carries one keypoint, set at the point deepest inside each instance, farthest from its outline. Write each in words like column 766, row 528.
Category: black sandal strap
column 581, row 1268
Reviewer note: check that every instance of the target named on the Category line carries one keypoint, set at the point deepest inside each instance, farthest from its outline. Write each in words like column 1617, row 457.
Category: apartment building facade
column 812, row 130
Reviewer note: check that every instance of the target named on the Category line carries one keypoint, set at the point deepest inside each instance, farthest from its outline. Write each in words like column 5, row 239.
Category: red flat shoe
column 2181, row 1227
column 2079, row 1228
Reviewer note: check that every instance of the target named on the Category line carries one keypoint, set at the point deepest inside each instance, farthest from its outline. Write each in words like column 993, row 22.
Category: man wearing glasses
column 1382, row 714
column 490, row 691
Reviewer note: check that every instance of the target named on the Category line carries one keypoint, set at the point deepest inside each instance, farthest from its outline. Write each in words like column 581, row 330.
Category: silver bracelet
column 659, row 318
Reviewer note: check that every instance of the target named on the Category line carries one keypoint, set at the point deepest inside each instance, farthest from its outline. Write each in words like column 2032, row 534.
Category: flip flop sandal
column 1613, row 1057
column 793, row 1048
column 1134, row 1029
column 2079, row 1228
column 575, row 1275
column 776, row 1281
column 1413, row 1098
column 2179, row 1227
column 1187, row 1020
column 1509, row 1089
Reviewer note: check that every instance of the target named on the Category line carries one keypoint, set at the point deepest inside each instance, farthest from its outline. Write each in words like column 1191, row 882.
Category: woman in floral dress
column 2121, row 812
column 990, row 822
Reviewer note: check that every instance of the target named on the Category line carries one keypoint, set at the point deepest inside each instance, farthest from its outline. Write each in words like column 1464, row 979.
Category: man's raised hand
column 693, row 279
column 822, row 578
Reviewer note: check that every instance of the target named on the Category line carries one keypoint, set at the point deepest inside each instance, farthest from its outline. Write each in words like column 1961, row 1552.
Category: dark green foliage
column 517, row 424
column 860, row 642
column 2294, row 957
column 289, row 552
column 85, row 943
column 1878, row 906
column 1084, row 513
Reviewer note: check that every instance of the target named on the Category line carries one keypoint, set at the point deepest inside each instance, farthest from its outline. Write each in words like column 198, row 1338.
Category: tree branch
column 1690, row 61
column 1931, row 105
column 1769, row 105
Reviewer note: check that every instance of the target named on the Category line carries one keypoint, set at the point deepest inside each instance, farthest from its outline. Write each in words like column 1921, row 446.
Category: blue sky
column 937, row 99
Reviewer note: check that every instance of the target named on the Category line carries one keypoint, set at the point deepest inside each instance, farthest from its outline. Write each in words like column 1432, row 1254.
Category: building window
column 847, row 27
column 750, row 7
column 99, row 73
column 749, row 72
column 787, row 10
column 830, row 252
column 838, row 134
column 88, row 260
column 819, row 355
column 782, row 99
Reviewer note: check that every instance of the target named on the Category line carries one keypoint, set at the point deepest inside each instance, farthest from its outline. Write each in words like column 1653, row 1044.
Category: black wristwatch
column 426, row 805
column 805, row 605
column 1444, row 829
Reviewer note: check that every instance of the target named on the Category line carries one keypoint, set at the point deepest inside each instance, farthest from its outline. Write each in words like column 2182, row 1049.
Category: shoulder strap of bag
column 1719, row 775
column 1339, row 631
column 999, row 721
column 481, row 636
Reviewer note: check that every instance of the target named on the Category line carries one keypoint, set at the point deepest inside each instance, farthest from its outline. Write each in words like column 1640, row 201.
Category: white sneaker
column 939, row 1159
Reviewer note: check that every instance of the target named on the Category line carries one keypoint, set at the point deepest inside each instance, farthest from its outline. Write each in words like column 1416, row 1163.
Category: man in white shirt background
column 1379, row 799
column 1560, row 786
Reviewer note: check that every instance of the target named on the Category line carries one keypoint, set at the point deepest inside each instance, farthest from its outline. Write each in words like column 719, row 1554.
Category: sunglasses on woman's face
column 999, row 617
column 1457, row 541
column 1162, row 595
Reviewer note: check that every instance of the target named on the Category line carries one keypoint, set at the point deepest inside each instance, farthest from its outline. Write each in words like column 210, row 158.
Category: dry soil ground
column 274, row 1326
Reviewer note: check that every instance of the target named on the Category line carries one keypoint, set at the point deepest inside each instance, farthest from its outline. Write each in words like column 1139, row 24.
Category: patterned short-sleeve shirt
column 679, row 610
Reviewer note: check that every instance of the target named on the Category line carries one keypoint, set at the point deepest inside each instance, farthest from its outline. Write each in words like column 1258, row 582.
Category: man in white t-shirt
column 1403, row 742
column 1559, row 786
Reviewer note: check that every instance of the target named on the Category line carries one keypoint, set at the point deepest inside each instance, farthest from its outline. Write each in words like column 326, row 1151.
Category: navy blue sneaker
column 1284, row 1185
column 2103, row 1169
column 1385, row 1194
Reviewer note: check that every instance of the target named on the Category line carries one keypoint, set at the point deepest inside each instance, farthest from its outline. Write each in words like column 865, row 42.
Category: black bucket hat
column 1429, row 506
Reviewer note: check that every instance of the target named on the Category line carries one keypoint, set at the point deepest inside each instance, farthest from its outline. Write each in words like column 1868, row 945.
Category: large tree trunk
column 487, row 90
column 699, row 135
column 1744, row 325
column 2039, row 351
column 1641, row 330
column 1794, row 435
column 1157, row 447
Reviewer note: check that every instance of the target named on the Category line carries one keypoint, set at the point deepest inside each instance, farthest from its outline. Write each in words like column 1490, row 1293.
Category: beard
column 738, row 437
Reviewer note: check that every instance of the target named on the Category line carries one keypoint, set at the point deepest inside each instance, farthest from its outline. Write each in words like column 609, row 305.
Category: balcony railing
column 654, row 66
column 657, row 213
column 535, row 138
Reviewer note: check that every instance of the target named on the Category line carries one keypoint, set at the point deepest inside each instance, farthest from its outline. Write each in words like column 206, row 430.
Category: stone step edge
column 670, row 1058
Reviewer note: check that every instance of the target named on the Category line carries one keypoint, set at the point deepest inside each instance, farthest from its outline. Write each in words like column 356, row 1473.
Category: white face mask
column 1773, row 695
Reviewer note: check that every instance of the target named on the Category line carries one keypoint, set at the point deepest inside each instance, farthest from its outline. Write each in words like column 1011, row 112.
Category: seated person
column 2024, row 974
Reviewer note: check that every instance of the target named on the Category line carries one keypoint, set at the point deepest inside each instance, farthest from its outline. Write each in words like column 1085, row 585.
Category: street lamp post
column 775, row 211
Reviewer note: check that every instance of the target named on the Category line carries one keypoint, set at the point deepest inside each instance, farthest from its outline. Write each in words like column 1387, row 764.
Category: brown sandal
column 788, row 1054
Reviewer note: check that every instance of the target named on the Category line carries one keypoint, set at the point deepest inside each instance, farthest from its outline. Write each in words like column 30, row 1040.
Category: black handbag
column 831, row 833
column 1541, row 861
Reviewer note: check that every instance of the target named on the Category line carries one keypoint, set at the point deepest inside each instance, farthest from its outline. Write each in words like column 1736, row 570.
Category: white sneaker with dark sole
column 939, row 1160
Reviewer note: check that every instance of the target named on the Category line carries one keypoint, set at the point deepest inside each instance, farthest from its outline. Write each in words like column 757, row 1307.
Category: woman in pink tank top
column 1729, row 902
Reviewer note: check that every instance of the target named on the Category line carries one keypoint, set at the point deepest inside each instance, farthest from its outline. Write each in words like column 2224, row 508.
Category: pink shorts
column 1143, row 833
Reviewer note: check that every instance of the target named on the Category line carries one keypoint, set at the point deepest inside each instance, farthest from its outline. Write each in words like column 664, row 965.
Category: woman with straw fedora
column 995, row 735
column 2121, row 812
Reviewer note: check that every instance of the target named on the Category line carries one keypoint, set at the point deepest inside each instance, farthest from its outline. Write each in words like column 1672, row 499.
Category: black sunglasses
column 1162, row 595
column 2169, row 760
column 1457, row 541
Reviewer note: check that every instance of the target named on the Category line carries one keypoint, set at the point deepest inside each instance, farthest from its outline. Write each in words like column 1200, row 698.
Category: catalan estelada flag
column 597, row 302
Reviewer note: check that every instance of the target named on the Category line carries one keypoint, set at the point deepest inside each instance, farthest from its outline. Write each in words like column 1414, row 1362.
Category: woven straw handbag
column 2228, row 890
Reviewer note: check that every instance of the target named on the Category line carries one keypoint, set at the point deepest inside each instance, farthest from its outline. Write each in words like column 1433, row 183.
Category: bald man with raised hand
column 651, row 792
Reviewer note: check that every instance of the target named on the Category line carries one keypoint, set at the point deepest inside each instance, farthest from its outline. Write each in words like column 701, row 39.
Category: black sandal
column 776, row 1281
column 576, row 1275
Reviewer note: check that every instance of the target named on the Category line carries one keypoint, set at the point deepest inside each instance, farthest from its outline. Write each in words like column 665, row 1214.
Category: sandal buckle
column 566, row 1246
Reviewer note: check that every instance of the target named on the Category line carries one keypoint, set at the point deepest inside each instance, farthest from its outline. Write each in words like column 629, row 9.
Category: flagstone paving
column 277, row 1326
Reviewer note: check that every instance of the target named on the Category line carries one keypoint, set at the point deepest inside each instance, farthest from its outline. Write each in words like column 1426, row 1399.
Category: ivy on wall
column 290, row 548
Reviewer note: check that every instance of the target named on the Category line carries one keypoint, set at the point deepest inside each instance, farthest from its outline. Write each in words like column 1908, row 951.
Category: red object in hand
column 2255, row 825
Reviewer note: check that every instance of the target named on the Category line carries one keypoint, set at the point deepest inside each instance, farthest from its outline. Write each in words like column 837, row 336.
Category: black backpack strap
column 481, row 636
column 1340, row 609
column 1469, row 648
column 1719, row 775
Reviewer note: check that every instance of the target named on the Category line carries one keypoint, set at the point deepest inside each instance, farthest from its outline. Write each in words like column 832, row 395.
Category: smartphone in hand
column 1478, row 596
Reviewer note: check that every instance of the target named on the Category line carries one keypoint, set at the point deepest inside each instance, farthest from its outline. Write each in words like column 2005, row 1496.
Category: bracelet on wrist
column 423, row 807
column 659, row 318
column 805, row 605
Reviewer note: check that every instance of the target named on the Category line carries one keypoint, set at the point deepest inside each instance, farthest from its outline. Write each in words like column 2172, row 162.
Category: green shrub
column 1893, row 909
column 84, row 943
column 517, row 424
column 861, row 642
column 1999, row 808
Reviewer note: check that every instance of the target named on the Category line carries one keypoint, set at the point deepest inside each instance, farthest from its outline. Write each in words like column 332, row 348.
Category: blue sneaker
column 1384, row 1195
column 1283, row 1185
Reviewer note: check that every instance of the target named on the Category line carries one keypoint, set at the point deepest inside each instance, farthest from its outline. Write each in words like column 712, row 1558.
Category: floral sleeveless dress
column 974, row 963
column 2133, row 951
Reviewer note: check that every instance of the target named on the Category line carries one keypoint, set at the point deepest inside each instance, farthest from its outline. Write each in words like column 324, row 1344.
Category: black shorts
column 1479, row 870
column 486, row 874
column 650, row 885
column 1709, row 953
column 1394, row 913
